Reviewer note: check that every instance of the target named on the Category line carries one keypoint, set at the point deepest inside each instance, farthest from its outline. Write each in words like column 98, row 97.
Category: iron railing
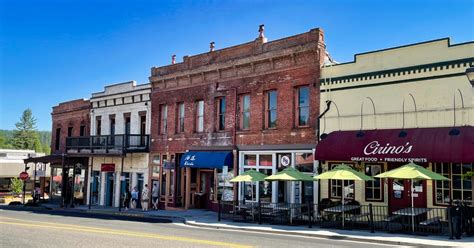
column 424, row 221
column 108, row 144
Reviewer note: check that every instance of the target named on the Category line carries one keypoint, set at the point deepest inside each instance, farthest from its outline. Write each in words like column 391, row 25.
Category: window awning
column 207, row 159
column 420, row 145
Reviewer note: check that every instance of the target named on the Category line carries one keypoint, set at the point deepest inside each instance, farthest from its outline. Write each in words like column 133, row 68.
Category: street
column 47, row 229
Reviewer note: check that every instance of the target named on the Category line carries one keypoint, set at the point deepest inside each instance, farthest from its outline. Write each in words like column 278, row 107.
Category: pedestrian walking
column 145, row 198
column 127, row 198
column 134, row 197
column 155, row 194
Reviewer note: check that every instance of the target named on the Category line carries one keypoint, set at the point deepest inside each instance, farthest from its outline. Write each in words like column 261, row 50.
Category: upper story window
column 221, row 113
column 244, row 112
column 82, row 131
column 302, row 106
column 180, row 126
column 58, row 139
column 69, row 131
column 271, row 109
column 163, row 118
column 127, row 124
column 98, row 126
column 200, row 116
column 112, row 125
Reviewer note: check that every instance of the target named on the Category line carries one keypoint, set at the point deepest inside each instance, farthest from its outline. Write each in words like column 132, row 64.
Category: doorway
column 109, row 187
column 206, row 195
column 140, row 188
column 400, row 194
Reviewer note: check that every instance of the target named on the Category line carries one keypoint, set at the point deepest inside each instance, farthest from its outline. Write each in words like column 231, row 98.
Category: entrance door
column 109, row 193
column 207, row 189
column 140, row 188
column 400, row 194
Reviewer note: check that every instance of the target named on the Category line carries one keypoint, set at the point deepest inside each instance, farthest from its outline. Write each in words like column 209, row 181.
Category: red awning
column 443, row 144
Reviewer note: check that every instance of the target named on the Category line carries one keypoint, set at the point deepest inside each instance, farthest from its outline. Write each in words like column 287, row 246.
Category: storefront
column 207, row 178
column 445, row 150
column 270, row 160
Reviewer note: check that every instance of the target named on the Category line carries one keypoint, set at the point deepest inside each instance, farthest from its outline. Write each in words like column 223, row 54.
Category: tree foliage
column 25, row 133
column 38, row 145
column 16, row 186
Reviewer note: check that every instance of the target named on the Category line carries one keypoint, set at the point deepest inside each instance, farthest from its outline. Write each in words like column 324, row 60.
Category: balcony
column 108, row 144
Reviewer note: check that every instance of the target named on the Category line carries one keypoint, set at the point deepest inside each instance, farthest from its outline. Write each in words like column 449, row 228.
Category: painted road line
column 126, row 233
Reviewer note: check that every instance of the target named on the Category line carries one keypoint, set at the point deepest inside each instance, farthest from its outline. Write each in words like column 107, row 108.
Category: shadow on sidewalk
column 86, row 214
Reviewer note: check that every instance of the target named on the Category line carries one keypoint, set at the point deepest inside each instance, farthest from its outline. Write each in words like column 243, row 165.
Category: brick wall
column 251, row 68
column 69, row 114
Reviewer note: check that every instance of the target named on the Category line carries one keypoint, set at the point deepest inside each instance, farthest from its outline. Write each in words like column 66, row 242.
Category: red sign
column 107, row 167
column 24, row 175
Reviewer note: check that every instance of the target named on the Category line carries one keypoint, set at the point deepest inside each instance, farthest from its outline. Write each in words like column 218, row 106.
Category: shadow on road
column 85, row 214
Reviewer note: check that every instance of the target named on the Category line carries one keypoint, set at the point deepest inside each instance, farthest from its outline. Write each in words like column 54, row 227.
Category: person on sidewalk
column 155, row 196
column 134, row 197
column 126, row 199
column 145, row 198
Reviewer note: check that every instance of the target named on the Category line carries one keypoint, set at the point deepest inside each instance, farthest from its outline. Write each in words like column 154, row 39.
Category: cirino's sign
column 376, row 152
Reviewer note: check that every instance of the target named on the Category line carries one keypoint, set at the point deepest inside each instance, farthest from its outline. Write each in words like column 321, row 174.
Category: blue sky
column 55, row 51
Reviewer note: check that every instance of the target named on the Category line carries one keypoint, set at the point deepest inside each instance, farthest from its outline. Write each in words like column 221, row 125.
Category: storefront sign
column 107, row 167
column 285, row 160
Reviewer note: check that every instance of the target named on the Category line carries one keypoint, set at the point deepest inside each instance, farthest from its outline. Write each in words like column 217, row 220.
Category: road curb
column 331, row 237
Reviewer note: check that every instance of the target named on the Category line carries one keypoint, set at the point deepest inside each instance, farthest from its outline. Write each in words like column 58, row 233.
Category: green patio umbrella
column 343, row 172
column 289, row 174
column 412, row 172
column 249, row 176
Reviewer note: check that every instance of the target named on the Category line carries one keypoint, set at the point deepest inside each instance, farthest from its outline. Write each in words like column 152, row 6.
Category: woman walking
column 126, row 199
column 145, row 198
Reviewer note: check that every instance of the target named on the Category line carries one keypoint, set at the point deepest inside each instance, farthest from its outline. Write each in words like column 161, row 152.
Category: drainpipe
column 318, row 134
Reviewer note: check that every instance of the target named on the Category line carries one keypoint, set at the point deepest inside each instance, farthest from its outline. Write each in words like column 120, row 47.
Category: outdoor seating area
column 427, row 221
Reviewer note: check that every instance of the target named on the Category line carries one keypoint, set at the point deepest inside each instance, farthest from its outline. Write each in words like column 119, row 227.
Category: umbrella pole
column 343, row 204
column 412, row 212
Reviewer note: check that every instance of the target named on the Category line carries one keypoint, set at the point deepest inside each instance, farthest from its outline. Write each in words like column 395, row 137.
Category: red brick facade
column 251, row 68
column 73, row 114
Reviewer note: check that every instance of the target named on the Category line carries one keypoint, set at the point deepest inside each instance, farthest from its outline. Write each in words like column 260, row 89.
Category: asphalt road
column 53, row 229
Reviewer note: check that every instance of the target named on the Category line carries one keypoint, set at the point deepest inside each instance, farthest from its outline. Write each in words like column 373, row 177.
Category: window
column 98, row 126
column 69, row 131
column 303, row 106
column 245, row 112
column 180, row 126
column 221, row 113
column 58, row 138
column 127, row 125
column 163, row 175
column 336, row 187
column 373, row 189
column 271, row 109
column 82, row 131
column 459, row 188
column 199, row 116
column 163, row 118
column 112, row 125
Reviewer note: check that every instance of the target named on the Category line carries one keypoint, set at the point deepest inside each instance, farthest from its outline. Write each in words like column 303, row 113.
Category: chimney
column 173, row 59
column 212, row 46
column 261, row 35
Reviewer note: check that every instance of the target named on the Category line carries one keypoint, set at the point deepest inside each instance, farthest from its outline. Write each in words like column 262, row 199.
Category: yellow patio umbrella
column 343, row 172
column 412, row 172
column 249, row 176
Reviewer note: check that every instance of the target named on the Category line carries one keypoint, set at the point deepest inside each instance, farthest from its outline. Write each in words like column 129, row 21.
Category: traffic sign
column 24, row 175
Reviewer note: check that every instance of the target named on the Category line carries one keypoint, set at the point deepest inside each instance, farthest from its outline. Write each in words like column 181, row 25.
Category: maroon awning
column 443, row 144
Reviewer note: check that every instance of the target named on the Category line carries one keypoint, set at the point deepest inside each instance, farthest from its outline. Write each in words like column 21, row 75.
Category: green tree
column 46, row 149
column 25, row 135
column 38, row 145
column 16, row 186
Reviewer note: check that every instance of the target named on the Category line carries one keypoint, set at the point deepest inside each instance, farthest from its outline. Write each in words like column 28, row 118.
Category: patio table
column 339, row 209
column 409, row 212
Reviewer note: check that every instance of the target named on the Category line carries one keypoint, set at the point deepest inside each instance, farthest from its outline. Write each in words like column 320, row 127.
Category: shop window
column 459, row 188
column 304, row 162
column 163, row 176
column 172, row 177
column 271, row 109
column 244, row 112
column 199, row 116
column 302, row 106
column 336, row 187
column 265, row 160
column 265, row 187
column 180, row 126
column 373, row 189
column 250, row 160
column 221, row 107
column 163, row 119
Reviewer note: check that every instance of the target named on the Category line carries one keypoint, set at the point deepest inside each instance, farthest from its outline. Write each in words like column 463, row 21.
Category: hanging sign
column 107, row 167
column 285, row 161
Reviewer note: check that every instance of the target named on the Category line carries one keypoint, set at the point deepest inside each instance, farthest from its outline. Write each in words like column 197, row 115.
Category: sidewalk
column 208, row 219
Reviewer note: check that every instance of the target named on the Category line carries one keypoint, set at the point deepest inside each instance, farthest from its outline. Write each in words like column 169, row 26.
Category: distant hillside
column 6, row 137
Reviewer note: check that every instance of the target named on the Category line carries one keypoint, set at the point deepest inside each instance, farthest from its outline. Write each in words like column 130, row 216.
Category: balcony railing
column 108, row 144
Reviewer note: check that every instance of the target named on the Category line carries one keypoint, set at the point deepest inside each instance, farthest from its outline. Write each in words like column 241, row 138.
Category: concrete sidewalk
column 208, row 219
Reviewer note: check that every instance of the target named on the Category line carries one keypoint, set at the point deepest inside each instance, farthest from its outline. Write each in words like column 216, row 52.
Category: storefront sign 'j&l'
column 189, row 160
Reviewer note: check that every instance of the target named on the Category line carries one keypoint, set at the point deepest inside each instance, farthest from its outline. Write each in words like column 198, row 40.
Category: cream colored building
column 120, row 128
column 411, row 87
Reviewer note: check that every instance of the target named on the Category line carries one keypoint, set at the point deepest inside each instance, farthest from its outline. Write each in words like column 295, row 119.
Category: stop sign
column 24, row 175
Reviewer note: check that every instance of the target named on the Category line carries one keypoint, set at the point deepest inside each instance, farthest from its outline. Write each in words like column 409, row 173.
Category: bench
column 433, row 224
column 390, row 222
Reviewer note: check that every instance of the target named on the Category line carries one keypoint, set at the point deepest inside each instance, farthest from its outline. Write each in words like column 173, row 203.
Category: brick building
column 253, row 105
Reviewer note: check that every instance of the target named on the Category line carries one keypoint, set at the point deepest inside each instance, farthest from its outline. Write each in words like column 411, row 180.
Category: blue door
column 109, row 189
